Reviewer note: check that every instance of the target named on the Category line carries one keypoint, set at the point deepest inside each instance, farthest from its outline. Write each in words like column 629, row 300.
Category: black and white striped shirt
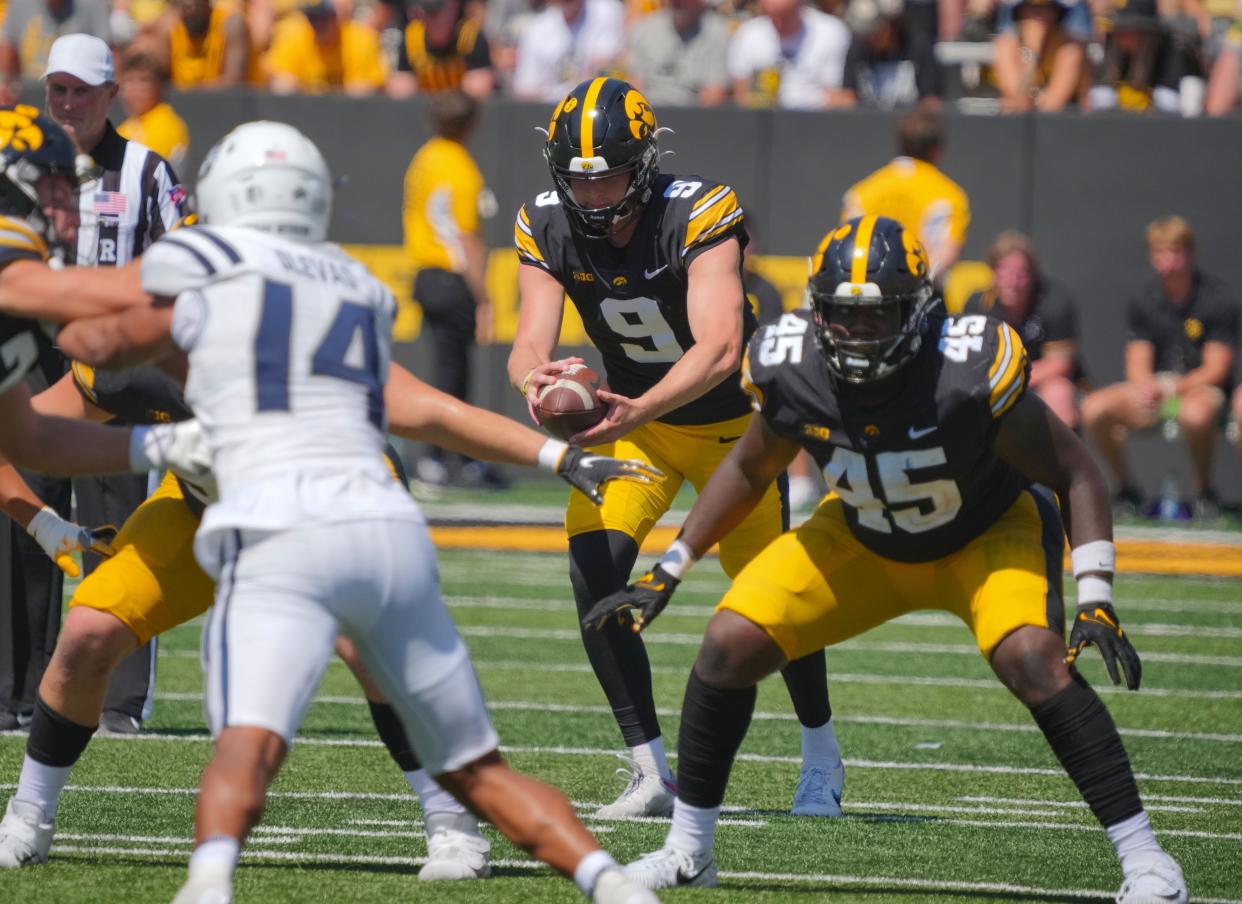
column 135, row 201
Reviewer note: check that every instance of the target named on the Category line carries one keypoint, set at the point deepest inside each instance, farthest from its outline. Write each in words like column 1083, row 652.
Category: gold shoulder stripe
column 862, row 250
column 84, row 376
column 711, row 198
column 467, row 37
column 748, row 384
column 524, row 239
column 723, row 226
column 707, row 220
column 587, row 120
column 1007, row 384
column 16, row 234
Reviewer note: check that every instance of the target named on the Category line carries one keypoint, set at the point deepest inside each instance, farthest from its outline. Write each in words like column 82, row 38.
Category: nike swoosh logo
column 918, row 434
column 728, row 439
column 652, row 274
column 683, row 879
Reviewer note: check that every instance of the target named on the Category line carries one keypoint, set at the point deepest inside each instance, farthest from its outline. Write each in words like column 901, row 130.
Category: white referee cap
column 82, row 56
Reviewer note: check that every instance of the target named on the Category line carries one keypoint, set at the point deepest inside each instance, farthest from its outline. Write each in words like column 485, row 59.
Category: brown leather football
column 570, row 405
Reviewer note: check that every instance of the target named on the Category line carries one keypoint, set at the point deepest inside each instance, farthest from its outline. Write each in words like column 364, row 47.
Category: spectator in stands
column 442, row 49
column 30, row 27
column 884, row 68
column 444, row 200
column 1040, row 53
column 203, row 44
column 1044, row 314
column 677, row 55
column 152, row 120
column 571, row 40
column 1145, row 64
column 912, row 190
column 1226, row 75
column 1182, row 328
column 791, row 56
column 314, row 51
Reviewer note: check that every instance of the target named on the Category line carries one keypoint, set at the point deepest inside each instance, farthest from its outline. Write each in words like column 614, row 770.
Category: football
column 570, row 405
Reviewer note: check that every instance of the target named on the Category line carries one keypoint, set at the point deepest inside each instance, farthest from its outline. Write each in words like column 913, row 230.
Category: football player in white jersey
column 288, row 345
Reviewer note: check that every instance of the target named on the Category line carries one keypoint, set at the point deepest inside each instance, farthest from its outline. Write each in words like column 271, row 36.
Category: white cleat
column 646, row 794
column 205, row 890
column 819, row 791
column 1153, row 878
column 615, row 887
column 25, row 835
column 453, row 854
column 672, row 867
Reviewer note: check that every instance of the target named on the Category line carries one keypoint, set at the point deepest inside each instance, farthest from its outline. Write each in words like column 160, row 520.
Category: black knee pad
column 54, row 740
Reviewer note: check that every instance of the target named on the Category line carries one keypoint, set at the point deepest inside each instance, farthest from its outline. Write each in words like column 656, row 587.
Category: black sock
column 392, row 733
column 807, row 681
column 713, row 724
column 1082, row 735
column 599, row 563
column 54, row 740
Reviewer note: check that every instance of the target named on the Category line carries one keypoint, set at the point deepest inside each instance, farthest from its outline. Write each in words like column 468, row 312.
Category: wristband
column 526, row 380
column 1094, row 589
column 1098, row 555
column 678, row 559
column 139, row 461
column 550, row 455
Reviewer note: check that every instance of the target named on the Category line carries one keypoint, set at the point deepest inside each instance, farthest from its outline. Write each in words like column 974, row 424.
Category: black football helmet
column 603, row 127
column 870, row 292
column 32, row 146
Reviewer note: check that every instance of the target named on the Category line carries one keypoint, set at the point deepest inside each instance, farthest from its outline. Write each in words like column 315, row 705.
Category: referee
column 136, row 199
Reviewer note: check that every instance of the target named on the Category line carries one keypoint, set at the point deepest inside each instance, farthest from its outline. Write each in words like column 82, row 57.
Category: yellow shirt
column 357, row 58
column 918, row 196
column 162, row 130
column 443, row 187
column 198, row 60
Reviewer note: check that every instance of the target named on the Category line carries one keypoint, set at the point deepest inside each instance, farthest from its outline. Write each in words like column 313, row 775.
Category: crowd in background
column 1173, row 56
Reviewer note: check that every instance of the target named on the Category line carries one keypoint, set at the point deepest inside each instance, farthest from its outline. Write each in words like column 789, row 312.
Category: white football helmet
column 268, row 176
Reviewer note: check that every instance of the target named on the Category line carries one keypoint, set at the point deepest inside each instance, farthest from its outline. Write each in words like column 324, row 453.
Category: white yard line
column 828, row 879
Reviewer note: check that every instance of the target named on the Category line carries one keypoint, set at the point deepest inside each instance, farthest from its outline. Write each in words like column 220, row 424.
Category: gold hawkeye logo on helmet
column 18, row 129
column 642, row 117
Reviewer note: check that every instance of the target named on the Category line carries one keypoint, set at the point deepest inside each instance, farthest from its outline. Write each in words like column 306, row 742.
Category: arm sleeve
column 185, row 260
column 1139, row 325
column 1009, row 370
column 480, row 55
column 853, row 60
column 166, row 199
column 715, row 214
column 1223, row 326
column 189, row 319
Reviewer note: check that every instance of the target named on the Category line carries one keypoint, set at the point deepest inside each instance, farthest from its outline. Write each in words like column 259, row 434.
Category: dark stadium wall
column 1083, row 187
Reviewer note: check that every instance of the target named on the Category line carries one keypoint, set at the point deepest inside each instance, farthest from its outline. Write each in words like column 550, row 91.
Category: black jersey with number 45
column 632, row 300
column 917, row 474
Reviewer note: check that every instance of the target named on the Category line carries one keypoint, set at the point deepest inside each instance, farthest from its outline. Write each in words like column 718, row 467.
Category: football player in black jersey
column 938, row 460
column 653, row 264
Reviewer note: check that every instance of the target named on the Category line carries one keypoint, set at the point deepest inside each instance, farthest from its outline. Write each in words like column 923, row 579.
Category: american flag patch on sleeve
column 111, row 202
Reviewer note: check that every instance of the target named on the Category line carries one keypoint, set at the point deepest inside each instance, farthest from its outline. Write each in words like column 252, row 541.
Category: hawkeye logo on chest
column 619, row 281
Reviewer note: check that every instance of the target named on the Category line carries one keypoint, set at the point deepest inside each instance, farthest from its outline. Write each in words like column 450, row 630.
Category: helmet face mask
column 602, row 128
column 869, row 299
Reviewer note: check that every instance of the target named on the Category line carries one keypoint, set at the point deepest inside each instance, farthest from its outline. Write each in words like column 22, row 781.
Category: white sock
column 431, row 796
column 650, row 758
column 693, row 829
column 820, row 747
column 41, row 784
column 1133, row 836
column 586, row 873
column 217, row 856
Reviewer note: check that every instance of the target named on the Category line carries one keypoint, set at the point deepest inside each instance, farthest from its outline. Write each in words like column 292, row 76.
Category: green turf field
column 951, row 794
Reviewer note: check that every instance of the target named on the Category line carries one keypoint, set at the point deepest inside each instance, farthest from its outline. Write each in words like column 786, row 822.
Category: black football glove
column 1097, row 624
column 646, row 598
column 589, row 472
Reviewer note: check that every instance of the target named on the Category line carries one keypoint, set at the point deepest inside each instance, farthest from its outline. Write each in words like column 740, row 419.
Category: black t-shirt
column 1051, row 321
column 1179, row 334
column 897, row 79
column 632, row 300
column 917, row 474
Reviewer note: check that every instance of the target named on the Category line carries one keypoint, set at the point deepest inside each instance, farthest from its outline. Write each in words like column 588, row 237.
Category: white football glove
column 180, row 448
column 60, row 539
